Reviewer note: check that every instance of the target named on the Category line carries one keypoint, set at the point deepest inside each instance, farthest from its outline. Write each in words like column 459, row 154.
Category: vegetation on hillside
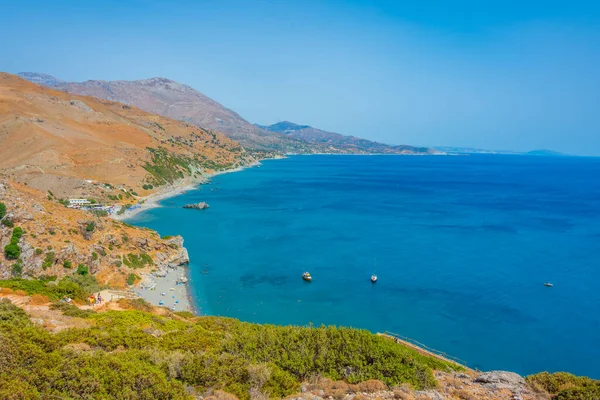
column 565, row 386
column 137, row 354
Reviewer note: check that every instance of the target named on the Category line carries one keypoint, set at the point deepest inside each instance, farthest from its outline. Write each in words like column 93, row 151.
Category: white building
column 78, row 202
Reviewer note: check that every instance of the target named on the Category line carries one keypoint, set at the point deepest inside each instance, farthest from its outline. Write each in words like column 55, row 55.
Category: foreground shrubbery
column 74, row 286
column 135, row 354
column 565, row 386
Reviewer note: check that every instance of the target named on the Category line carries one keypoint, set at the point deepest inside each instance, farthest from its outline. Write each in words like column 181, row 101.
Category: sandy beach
column 167, row 291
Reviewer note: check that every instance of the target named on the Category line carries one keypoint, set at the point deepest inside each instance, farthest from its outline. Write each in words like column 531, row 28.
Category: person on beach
column 92, row 300
column 99, row 299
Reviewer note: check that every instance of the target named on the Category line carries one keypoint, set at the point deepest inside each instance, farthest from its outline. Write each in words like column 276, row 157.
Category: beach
column 168, row 289
column 151, row 201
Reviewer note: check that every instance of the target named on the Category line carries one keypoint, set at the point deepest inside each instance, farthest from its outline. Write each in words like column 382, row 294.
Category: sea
column 461, row 245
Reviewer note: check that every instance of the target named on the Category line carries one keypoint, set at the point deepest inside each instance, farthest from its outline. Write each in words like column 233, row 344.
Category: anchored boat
column 548, row 284
column 306, row 276
column 373, row 278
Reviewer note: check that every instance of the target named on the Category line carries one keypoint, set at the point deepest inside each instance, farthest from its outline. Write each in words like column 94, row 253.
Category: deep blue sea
column 462, row 246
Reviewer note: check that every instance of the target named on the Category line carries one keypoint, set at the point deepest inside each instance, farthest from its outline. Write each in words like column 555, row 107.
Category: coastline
column 154, row 288
column 151, row 201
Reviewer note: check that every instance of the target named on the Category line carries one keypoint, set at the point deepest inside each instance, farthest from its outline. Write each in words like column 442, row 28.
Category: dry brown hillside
column 72, row 145
column 55, row 240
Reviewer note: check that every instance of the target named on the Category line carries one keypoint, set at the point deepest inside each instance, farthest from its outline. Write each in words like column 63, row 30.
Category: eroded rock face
column 502, row 380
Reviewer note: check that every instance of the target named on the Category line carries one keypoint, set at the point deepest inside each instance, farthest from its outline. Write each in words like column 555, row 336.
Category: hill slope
column 175, row 100
column 343, row 142
column 71, row 144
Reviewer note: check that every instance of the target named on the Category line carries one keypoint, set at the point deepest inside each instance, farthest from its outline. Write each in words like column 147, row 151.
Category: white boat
column 306, row 276
column 373, row 278
column 548, row 284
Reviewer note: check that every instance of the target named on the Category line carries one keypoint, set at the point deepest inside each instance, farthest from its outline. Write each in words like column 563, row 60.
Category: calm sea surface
column 461, row 245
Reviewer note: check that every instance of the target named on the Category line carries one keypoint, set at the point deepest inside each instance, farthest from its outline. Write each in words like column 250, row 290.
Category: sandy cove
column 154, row 288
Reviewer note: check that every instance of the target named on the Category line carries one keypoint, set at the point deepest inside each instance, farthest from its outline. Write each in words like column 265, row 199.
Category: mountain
column 178, row 101
column 174, row 100
column 337, row 142
column 72, row 145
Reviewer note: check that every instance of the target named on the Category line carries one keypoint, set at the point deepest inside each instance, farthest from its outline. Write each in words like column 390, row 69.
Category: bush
column 18, row 232
column 12, row 251
column 91, row 226
column 8, row 223
column 565, row 386
column 67, row 264
column 132, row 278
column 82, row 269
column 137, row 261
column 2, row 210
column 38, row 251
column 48, row 260
column 71, row 310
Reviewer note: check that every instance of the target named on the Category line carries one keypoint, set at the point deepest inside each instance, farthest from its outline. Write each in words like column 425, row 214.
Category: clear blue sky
column 493, row 74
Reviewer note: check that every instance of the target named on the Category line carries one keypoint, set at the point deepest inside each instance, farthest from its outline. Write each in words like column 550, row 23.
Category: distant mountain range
column 471, row 150
column 334, row 140
column 178, row 101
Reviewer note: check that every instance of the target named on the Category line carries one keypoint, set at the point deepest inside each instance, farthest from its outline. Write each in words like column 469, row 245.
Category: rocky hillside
column 338, row 143
column 80, row 146
column 174, row 100
column 40, row 237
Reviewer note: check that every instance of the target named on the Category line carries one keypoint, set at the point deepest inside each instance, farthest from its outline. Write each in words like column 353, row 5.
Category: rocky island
column 198, row 206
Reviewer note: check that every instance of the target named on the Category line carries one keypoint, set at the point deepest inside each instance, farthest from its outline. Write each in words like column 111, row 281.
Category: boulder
column 502, row 380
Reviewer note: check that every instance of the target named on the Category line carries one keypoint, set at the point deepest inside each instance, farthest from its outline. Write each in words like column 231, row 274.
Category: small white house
column 78, row 202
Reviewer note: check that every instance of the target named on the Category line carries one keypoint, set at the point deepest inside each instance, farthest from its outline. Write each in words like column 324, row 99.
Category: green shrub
column 38, row 251
column 82, row 269
column 565, row 386
column 94, row 255
column 48, row 259
column 2, row 210
column 132, row 278
column 16, row 269
column 91, row 226
column 8, row 223
column 71, row 310
column 12, row 251
column 100, row 213
column 137, row 261
column 18, row 232
column 67, row 264
column 75, row 286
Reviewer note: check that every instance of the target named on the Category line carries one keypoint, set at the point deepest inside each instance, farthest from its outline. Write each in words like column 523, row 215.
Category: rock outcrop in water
column 198, row 206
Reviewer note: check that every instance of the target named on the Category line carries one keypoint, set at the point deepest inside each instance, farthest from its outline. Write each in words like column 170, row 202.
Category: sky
column 516, row 75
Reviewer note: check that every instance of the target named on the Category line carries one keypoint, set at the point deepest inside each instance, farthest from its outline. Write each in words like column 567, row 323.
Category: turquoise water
column 462, row 247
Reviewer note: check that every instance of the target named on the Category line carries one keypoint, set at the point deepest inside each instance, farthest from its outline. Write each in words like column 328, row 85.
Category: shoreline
column 151, row 201
column 153, row 288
